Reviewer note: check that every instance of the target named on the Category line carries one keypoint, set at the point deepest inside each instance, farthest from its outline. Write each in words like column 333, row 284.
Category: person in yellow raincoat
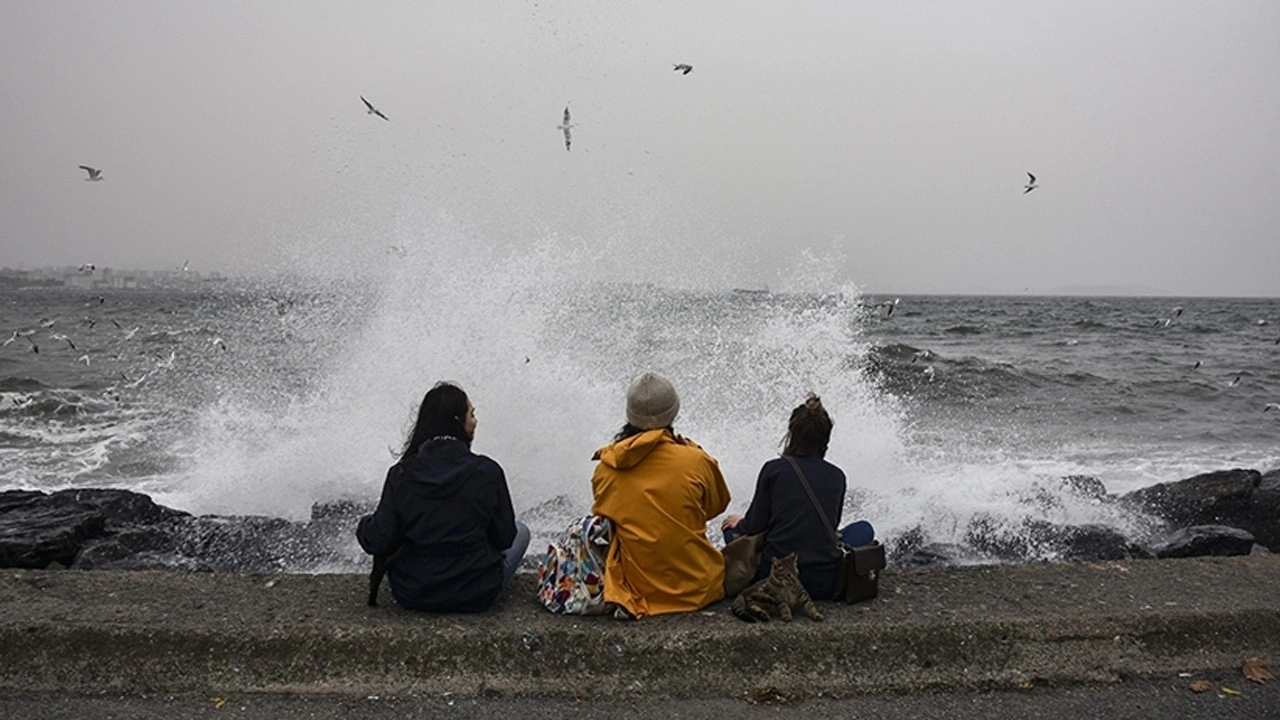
column 660, row 490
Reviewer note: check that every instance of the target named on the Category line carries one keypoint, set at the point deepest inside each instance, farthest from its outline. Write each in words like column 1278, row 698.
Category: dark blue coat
column 453, row 509
column 782, row 510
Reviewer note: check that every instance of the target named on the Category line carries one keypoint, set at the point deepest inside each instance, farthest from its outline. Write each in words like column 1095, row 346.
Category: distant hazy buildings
column 107, row 278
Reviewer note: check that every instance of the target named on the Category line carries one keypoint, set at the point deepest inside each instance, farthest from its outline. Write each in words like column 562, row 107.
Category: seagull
column 1234, row 381
column 129, row 335
column 62, row 338
column 1196, row 366
column 1163, row 322
column 217, row 342
column 94, row 173
column 1271, row 406
column 186, row 266
column 1031, row 185
column 84, row 359
column 684, row 68
column 889, row 306
column 87, row 267
column 373, row 110
column 565, row 127
column 1177, row 310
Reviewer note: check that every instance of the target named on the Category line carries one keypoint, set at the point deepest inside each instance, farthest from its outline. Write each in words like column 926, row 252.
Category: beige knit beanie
column 652, row 401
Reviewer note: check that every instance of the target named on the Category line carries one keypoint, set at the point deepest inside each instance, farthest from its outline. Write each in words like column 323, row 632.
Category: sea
column 265, row 397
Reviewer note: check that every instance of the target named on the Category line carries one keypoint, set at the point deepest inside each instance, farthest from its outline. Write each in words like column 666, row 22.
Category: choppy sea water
column 263, row 400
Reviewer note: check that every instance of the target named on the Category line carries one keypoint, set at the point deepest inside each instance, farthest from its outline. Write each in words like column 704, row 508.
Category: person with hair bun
column 782, row 509
column 659, row 490
column 446, row 514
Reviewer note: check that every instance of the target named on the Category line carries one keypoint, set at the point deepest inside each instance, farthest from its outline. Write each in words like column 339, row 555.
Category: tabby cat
column 780, row 591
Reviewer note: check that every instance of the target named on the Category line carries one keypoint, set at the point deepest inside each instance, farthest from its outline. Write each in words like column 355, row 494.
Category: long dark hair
column 809, row 431
column 443, row 413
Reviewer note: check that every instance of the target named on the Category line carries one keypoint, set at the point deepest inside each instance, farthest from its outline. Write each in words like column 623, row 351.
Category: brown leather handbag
column 860, row 567
column 741, row 560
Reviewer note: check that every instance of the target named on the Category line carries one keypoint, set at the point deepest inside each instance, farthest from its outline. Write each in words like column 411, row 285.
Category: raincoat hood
column 628, row 453
column 439, row 468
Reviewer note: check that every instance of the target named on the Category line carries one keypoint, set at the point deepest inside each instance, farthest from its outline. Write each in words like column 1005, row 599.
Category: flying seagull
column 94, row 173
column 62, row 338
column 373, row 110
column 1031, row 185
column 88, row 267
column 684, row 68
column 1271, row 406
column 565, row 127
column 889, row 306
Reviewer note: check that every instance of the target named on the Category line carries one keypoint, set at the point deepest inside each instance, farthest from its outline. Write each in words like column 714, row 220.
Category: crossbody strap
column 814, row 498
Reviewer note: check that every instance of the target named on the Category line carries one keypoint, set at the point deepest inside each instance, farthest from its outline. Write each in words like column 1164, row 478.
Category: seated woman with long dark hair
column 782, row 509
column 446, row 514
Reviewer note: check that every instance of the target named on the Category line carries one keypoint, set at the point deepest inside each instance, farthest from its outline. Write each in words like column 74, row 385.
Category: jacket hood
column 440, row 467
column 628, row 453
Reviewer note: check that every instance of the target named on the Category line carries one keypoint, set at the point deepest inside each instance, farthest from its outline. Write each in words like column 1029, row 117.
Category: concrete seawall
column 994, row 626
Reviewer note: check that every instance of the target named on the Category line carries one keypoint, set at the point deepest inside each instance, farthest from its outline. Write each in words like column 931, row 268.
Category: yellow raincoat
column 660, row 491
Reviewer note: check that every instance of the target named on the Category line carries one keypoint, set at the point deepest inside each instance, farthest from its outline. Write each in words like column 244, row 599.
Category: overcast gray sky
column 889, row 139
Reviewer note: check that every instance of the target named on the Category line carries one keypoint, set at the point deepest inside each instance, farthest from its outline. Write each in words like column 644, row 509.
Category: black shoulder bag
column 860, row 567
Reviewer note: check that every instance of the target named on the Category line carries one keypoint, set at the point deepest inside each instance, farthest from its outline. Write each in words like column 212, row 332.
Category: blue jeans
column 512, row 556
column 855, row 534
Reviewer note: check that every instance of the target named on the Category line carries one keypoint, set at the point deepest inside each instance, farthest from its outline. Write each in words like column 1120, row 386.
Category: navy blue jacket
column 453, row 508
column 782, row 510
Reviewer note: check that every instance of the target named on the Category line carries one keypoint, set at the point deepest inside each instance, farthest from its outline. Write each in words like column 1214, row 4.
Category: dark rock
column 1201, row 500
column 1202, row 540
column 152, row 560
column 1238, row 498
column 118, row 507
column 899, row 548
column 42, row 531
column 1088, row 543
column 38, row 529
column 1086, row 486
column 105, row 552
column 1044, row 540
column 1259, row 550
column 344, row 510
column 939, row 554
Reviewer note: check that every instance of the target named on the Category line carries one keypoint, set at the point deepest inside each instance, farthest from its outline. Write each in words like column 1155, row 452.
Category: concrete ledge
column 995, row 626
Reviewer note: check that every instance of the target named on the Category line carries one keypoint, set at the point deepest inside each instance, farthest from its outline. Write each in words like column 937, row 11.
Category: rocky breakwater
column 1228, row 512
column 122, row 530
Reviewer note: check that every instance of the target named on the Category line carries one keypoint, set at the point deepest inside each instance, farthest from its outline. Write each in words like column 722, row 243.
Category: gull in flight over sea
column 1234, row 381
column 84, row 359
column 1271, row 406
column 889, row 306
column 565, row 127
column 373, row 110
column 94, row 173
column 1031, row 185
column 59, row 337
column 684, row 68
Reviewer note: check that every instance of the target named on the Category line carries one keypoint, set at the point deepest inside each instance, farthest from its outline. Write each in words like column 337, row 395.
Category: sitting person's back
column 790, row 519
column 445, row 515
column 659, row 490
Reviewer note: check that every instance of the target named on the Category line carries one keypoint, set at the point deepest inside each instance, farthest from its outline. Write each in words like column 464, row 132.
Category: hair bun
column 813, row 403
